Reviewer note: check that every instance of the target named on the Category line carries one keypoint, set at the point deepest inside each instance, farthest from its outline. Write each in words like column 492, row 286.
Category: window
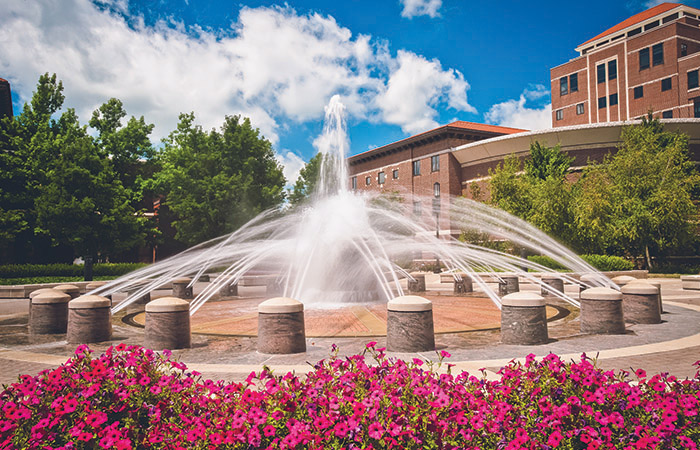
column 579, row 109
column 435, row 163
column 613, row 99
column 651, row 25
column 684, row 49
column 657, row 52
column 669, row 18
column 639, row 92
column 644, row 59
column 666, row 84
column 381, row 178
column 563, row 86
column 693, row 79
column 416, row 168
column 395, row 174
column 368, row 181
column 696, row 108
column 354, row 183
column 601, row 103
column 601, row 73
column 560, row 114
column 612, row 69
column 634, row 32
column 436, row 190
column 573, row 82
column 417, row 209
column 667, row 114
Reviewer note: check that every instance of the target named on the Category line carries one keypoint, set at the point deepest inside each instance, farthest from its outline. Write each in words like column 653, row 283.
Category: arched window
column 436, row 189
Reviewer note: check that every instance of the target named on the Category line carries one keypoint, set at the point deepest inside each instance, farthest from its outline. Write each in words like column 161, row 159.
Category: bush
column 131, row 397
column 608, row 263
column 65, row 270
column 45, row 280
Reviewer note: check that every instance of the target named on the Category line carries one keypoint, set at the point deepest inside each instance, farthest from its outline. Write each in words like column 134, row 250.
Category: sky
column 401, row 67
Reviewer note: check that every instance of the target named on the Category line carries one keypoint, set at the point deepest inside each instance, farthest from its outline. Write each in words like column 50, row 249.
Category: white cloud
column 415, row 82
column 292, row 164
column 413, row 8
column 515, row 113
column 274, row 66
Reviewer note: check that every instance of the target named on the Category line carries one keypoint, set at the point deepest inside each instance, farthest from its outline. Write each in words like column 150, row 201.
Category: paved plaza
column 224, row 335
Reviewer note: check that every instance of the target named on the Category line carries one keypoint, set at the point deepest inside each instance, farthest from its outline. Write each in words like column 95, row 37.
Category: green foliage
column 547, row 162
column 65, row 270
column 639, row 201
column 546, row 261
column 308, row 177
column 46, row 280
column 216, row 181
column 608, row 263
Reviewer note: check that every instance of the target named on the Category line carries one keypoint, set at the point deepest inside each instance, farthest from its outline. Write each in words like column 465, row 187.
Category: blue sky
column 400, row 66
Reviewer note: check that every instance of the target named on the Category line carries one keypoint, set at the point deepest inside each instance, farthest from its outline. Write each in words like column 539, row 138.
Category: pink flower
column 371, row 344
column 376, row 431
column 554, row 439
column 341, row 429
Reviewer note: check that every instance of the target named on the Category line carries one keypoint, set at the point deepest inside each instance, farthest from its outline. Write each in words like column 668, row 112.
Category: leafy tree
column 547, row 162
column 214, row 182
column 308, row 177
column 644, row 193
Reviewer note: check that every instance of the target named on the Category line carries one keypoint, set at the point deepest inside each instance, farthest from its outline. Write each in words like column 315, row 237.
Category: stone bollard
column 281, row 326
column 554, row 282
column 523, row 319
column 601, row 311
column 658, row 286
column 41, row 291
column 409, row 325
column 168, row 324
column 623, row 280
column 181, row 288
column 508, row 284
column 463, row 286
column 417, row 284
column 89, row 320
column 690, row 282
column 48, row 313
column 231, row 289
column 204, row 278
column 640, row 303
column 72, row 290
column 96, row 285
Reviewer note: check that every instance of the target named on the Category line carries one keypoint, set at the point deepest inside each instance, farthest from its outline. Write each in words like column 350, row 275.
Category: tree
column 215, row 182
column 640, row 200
column 308, row 177
column 547, row 162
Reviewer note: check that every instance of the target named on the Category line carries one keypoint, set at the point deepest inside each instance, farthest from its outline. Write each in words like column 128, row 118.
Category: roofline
column 605, row 34
column 428, row 134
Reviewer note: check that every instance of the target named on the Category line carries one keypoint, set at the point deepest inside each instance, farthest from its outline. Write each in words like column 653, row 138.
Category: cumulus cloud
column 517, row 114
column 415, row 82
column 292, row 164
column 413, row 8
column 273, row 65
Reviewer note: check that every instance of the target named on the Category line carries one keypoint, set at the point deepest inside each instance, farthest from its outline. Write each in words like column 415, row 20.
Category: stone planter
column 601, row 311
column 281, row 326
column 410, row 325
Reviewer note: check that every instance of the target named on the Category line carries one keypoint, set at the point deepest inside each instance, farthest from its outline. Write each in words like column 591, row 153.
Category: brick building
column 647, row 62
column 5, row 99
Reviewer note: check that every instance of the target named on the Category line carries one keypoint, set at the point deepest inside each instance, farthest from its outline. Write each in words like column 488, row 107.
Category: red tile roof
column 637, row 18
column 2, row 79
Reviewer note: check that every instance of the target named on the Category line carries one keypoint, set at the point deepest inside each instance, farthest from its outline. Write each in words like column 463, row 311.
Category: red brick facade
column 639, row 65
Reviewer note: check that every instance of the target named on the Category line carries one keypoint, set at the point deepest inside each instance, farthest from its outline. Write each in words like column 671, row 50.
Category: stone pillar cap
column 67, row 288
column 523, row 299
column 409, row 303
column 49, row 297
column 552, row 277
column 601, row 293
column 623, row 279
column 640, row 287
column 89, row 302
column 41, row 291
column 653, row 283
column 280, row 305
column 182, row 280
column 417, row 274
column 506, row 276
column 95, row 284
column 590, row 277
column 690, row 277
column 168, row 304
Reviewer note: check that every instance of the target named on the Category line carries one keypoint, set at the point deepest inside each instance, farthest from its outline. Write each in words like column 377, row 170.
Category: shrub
column 65, row 270
column 131, row 397
column 608, row 263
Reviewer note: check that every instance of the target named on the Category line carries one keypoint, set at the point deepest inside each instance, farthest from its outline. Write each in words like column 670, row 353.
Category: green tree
column 547, row 162
column 644, row 193
column 214, row 182
column 306, row 182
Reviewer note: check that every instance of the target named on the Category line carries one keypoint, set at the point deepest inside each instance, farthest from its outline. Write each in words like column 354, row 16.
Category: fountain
column 343, row 247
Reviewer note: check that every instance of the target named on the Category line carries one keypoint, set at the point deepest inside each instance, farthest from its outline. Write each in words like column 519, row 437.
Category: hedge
column 605, row 263
column 65, row 270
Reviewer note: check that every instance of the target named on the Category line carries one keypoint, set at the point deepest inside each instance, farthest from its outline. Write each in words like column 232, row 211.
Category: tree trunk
column 646, row 250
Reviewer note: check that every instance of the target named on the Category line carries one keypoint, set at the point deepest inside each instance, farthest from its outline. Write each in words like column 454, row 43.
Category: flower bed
column 131, row 397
